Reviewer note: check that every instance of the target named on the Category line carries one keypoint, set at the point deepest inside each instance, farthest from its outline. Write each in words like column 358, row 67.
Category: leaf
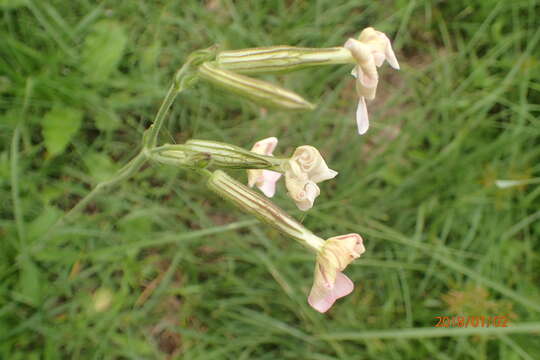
column 59, row 126
column 103, row 49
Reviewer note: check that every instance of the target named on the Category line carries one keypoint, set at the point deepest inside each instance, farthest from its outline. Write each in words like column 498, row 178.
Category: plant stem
column 126, row 172
column 149, row 141
column 155, row 128
column 132, row 166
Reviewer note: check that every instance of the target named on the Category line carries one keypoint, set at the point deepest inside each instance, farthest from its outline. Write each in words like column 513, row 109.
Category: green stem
column 126, row 172
column 153, row 131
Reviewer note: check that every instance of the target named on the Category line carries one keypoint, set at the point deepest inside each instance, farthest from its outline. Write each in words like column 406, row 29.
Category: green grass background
column 159, row 268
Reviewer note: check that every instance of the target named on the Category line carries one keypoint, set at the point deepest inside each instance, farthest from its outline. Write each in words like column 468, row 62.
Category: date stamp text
column 471, row 321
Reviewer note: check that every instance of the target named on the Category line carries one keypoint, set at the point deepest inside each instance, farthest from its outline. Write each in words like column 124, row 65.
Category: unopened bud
column 280, row 58
column 231, row 156
column 195, row 153
column 259, row 91
column 262, row 208
column 180, row 155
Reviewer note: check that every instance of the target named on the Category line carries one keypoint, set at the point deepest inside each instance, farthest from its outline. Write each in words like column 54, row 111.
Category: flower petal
column 379, row 58
column 362, row 119
column 321, row 297
column 305, row 199
column 389, row 52
column 265, row 146
column 343, row 285
column 254, row 176
column 268, row 186
column 324, row 174
column 308, row 160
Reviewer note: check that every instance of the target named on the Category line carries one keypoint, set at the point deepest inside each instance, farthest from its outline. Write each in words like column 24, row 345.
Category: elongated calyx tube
column 262, row 92
column 235, row 157
column 280, row 59
column 219, row 154
column 266, row 211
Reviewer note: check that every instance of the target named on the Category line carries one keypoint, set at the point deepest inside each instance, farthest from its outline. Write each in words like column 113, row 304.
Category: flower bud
column 220, row 154
column 266, row 211
column 259, row 91
column 231, row 156
column 330, row 283
column 179, row 155
column 280, row 59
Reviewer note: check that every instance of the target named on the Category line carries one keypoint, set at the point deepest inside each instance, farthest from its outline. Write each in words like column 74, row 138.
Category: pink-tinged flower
column 265, row 180
column 330, row 283
column 370, row 51
column 312, row 163
column 305, row 169
column 300, row 188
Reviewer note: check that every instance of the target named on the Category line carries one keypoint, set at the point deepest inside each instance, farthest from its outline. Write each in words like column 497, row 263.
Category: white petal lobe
column 362, row 119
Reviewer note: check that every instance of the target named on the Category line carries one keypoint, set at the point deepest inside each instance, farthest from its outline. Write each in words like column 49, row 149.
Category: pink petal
column 343, row 285
column 265, row 146
column 268, row 186
column 322, row 298
column 362, row 119
column 271, row 144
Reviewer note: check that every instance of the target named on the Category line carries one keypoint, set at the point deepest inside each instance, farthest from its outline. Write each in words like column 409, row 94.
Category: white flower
column 303, row 171
column 311, row 162
column 370, row 51
column 300, row 188
column 330, row 283
column 265, row 180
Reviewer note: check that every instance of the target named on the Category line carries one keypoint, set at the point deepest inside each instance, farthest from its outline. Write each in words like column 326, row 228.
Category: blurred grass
column 158, row 268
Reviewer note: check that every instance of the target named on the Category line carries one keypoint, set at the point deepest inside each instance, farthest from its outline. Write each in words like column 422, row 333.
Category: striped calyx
column 261, row 92
column 262, row 208
column 280, row 59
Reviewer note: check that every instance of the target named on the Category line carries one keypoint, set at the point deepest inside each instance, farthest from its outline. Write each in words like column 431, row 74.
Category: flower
column 330, row 283
column 264, row 179
column 305, row 169
column 370, row 51
column 300, row 188
column 311, row 162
